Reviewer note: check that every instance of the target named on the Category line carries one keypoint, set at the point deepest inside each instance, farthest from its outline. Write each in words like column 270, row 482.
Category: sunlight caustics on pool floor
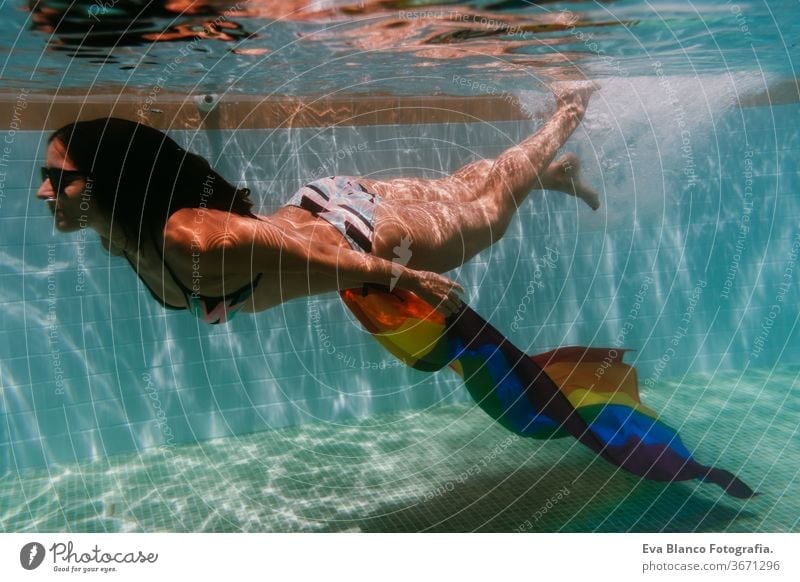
column 443, row 469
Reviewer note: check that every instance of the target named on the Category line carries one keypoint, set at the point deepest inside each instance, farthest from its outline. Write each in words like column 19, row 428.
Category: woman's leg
column 562, row 175
column 441, row 235
column 469, row 183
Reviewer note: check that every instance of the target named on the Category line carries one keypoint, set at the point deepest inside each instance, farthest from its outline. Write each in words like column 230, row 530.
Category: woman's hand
column 439, row 291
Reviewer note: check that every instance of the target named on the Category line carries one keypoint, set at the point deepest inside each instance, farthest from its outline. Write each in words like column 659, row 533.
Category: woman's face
column 72, row 206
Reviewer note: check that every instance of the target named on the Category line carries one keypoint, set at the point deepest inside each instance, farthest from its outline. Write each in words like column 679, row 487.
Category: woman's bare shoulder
column 221, row 245
column 211, row 232
column 201, row 229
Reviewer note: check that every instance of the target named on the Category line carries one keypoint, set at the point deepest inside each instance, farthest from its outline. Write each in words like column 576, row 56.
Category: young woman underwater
column 193, row 236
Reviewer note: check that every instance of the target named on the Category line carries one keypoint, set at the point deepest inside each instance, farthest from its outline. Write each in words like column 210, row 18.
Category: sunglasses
column 60, row 178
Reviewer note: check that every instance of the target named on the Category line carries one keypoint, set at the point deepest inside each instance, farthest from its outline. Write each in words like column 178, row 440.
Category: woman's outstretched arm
column 352, row 268
column 232, row 252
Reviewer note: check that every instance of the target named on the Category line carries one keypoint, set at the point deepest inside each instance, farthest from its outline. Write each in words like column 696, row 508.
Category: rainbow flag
column 586, row 393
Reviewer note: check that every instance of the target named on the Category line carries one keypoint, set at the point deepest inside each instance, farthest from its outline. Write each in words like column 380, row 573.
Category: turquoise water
column 691, row 261
column 398, row 47
column 414, row 471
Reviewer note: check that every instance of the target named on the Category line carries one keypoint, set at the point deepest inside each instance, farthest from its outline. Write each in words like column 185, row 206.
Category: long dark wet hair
column 140, row 176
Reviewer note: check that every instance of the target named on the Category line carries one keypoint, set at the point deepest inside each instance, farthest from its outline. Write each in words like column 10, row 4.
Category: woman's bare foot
column 574, row 93
column 563, row 175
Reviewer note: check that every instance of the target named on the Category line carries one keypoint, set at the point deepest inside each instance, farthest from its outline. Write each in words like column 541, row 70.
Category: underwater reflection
column 82, row 26
column 430, row 30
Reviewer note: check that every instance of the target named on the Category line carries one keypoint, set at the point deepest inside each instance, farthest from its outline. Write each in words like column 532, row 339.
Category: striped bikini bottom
column 344, row 203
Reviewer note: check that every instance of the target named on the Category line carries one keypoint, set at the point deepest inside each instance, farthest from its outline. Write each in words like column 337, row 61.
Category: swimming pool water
column 416, row 471
column 384, row 47
column 691, row 261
